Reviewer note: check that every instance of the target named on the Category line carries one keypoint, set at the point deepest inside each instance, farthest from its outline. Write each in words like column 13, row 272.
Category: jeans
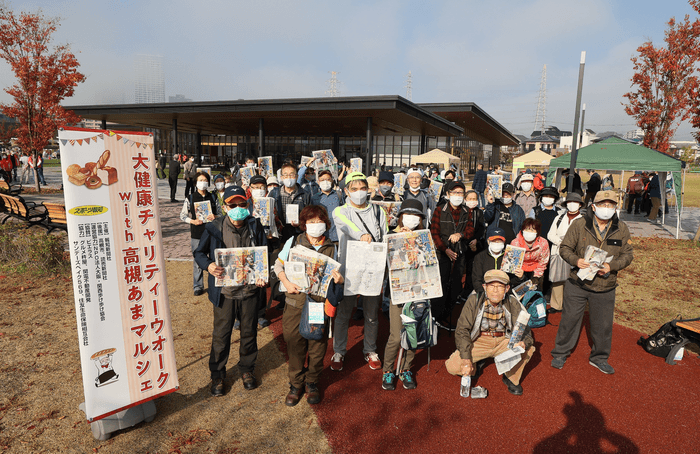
column 197, row 274
column 482, row 199
column 342, row 322
column 40, row 171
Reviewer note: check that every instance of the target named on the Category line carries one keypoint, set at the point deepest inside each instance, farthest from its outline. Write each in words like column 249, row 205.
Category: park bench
column 691, row 330
column 13, row 189
column 55, row 217
column 18, row 208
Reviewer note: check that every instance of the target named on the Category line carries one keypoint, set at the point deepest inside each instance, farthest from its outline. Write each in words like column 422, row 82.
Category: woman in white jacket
column 558, row 268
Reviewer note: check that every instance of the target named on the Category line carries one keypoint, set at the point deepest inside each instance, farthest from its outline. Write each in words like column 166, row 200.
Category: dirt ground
column 41, row 385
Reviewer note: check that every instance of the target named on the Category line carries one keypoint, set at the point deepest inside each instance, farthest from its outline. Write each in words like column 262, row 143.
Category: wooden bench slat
column 692, row 326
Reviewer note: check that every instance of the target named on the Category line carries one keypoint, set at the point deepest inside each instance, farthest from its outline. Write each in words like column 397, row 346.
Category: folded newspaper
column 523, row 288
column 296, row 274
column 519, row 328
column 596, row 258
column 318, row 268
column 508, row 359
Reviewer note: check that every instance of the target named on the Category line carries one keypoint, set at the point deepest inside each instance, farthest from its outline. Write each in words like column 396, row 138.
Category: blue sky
column 490, row 53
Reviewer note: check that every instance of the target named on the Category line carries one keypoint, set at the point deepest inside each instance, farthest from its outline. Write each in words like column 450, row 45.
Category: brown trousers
column 490, row 347
column 298, row 347
column 394, row 343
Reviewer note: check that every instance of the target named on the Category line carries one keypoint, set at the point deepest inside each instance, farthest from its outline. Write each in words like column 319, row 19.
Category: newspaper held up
column 318, row 267
column 206, row 170
column 399, row 183
column 305, row 160
column 356, row 165
column 265, row 166
column 493, row 185
column 246, row 174
column 523, row 288
column 513, row 258
column 434, row 190
column 364, row 274
column 596, row 258
column 414, row 273
column 242, row 266
column 391, row 209
column 508, row 359
column 291, row 213
column 296, row 274
column 519, row 329
column 325, row 160
column 202, row 210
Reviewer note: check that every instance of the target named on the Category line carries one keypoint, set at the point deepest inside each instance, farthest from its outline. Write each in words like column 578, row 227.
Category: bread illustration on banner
column 94, row 174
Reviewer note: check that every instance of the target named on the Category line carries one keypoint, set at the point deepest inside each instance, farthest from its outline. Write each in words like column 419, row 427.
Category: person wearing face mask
column 490, row 258
column 190, row 176
column 593, row 186
column 330, row 198
column 452, row 230
column 526, row 198
column 314, row 221
column 414, row 177
column 505, row 214
column 220, row 185
column 558, row 268
column 603, row 229
column 448, row 177
column 188, row 215
column 385, row 189
column 536, row 252
column 272, row 183
column 476, row 245
column 307, row 178
column 410, row 218
column 546, row 211
column 357, row 220
column 290, row 193
column 234, row 230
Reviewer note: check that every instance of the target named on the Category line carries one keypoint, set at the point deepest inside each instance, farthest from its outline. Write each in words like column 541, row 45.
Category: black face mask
column 385, row 189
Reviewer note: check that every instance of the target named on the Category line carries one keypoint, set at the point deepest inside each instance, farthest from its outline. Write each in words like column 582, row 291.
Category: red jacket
column 536, row 256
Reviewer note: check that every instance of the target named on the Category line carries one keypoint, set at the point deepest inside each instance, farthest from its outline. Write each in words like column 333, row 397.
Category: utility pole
column 574, row 144
column 541, row 102
column 333, row 84
column 583, row 118
column 409, row 86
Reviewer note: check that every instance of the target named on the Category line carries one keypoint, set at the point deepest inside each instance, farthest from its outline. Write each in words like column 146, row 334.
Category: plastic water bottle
column 466, row 386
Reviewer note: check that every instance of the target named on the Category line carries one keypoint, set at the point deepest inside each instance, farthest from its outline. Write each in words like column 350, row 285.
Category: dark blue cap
column 234, row 191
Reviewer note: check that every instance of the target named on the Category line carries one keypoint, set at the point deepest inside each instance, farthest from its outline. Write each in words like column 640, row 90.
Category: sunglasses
column 239, row 204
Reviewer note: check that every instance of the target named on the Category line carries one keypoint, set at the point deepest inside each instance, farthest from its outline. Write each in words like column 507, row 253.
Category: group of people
column 470, row 231
column 11, row 161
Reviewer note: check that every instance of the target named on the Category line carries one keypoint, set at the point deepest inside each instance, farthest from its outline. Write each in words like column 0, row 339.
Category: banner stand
column 103, row 428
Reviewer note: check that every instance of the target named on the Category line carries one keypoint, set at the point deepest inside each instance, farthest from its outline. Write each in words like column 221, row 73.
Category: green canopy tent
column 615, row 153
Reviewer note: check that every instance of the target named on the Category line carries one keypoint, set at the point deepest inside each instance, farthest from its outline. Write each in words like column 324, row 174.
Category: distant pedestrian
column 162, row 162
column 26, row 170
column 173, row 174
column 479, row 184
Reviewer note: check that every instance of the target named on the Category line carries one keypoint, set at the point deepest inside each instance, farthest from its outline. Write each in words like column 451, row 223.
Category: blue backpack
column 536, row 306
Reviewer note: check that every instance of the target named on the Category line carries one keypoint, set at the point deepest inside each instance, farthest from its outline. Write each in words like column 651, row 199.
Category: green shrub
column 22, row 249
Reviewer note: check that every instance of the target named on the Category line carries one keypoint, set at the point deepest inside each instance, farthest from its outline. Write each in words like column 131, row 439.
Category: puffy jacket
column 617, row 243
column 536, row 256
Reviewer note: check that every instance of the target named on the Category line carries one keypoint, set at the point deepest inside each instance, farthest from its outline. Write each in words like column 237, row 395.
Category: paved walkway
column 176, row 234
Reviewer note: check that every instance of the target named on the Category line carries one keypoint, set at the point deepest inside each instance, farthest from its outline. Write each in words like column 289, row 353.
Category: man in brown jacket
column 602, row 229
column 484, row 329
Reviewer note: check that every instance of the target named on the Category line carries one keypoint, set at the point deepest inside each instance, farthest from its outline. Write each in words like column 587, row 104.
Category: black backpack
column 666, row 342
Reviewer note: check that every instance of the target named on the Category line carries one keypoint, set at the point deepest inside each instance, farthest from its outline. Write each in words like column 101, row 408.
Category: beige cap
column 605, row 195
column 496, row 276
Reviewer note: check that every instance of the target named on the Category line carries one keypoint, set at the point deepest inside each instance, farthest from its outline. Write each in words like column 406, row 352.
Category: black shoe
column 313, row 395
column 294, row 396
column 515, row 390
column 551, row 310
column 173, row 201
column 249, row 381
column 198, row 291
column 217, row 387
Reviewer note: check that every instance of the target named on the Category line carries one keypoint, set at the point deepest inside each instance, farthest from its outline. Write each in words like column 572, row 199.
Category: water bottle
column 466, row 386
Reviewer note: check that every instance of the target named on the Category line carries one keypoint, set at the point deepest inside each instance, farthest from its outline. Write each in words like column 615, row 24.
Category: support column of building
column 261, row 138
column 104, row 124
column 175, row 136
column 368, row 163
column 423, row 143
column 198, row 148
column 336, row 148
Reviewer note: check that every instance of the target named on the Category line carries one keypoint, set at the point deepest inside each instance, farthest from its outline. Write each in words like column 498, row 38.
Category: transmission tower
column 409, row 86
column 333, row 84
column 541, row 102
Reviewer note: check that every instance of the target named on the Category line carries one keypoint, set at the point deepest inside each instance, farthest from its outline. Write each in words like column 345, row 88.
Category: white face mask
column 456, row 200
column 410, row 221
column 358, row 197
column 526, row 186
column 496, row 247
column 507, row 200
column 325, row 185
column 472, row 203
column 220, row 186
column 529, row 235
column 202, row 185
column 547, row 201
column 573, row 207
column 604, row 213
column 249, row 164
column 257, row 193
column 315, row 230
column 289, row 182
column 269, row 188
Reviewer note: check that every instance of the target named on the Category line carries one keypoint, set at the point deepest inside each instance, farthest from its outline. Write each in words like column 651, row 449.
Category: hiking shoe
column 337, row 361
column 407, row 380
column 294, row 396
column 603, row 366
column 237, row 325
column 558, row 362
column 373, row 359
column 263, row 322
column 388, row 381
column 198, row 291
column 249, row 381
column 217, row 387
column 313, row 395
column 514, row 389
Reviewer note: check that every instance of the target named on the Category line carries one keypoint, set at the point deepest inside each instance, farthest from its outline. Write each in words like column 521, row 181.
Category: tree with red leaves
column 45, row 76
column 667, row 83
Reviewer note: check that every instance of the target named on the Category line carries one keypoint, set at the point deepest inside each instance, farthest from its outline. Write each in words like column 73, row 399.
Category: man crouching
column 484, row 329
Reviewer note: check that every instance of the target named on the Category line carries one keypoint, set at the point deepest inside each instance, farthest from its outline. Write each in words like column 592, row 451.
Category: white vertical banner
column 116, row 250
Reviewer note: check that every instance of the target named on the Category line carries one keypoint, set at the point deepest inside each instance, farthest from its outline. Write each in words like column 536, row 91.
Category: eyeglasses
column 289, row 175
column 239, row 204
column 496, row 286
column 606, row 205
column 459, row 194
